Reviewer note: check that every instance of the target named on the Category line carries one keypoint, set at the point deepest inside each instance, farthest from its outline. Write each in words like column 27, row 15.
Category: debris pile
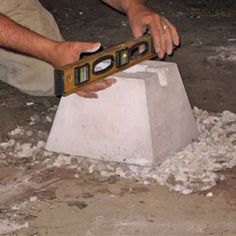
column 7, row 226
column 223, row 54
column 195, row 168
column 198, row 166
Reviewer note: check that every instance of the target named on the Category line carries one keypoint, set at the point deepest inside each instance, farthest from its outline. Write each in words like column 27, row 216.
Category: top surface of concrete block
column 141, row 120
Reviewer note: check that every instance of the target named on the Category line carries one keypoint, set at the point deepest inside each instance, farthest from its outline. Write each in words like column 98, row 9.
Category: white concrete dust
column 7, row 226
column 223, row 54
column 197, row 167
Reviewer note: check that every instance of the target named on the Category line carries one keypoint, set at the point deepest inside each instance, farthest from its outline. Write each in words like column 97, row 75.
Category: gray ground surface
column 90, row 205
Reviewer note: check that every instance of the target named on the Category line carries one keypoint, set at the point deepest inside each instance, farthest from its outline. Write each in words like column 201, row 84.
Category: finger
column 138, row 30
column 158, row 38
column 110, row 82
column 168, row 38
column 87, row 94
column 86, row 47
column 91, row 47
column 94, row 87
column 100, row 85
column 106, row 83
column 174, row 33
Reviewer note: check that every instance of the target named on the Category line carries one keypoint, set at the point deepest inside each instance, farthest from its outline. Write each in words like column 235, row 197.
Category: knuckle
column 174, row 28
column 157, row 17
column 149, row 18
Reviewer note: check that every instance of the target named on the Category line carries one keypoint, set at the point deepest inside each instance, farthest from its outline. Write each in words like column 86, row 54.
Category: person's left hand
column 165, row 35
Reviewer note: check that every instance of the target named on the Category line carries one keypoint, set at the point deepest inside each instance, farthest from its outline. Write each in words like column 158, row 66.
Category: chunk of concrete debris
column 210, row 194
column 142, row 119
column 33, row 199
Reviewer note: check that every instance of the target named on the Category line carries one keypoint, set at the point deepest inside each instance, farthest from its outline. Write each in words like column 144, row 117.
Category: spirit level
column 71, row 78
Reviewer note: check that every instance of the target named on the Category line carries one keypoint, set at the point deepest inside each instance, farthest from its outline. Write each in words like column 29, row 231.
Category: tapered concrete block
column 142, row 119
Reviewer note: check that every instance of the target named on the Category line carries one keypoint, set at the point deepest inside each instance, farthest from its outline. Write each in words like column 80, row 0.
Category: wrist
column 130, row 5
column 51, row 53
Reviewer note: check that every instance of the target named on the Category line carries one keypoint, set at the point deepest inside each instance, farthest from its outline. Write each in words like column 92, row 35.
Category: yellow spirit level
column 71, row 78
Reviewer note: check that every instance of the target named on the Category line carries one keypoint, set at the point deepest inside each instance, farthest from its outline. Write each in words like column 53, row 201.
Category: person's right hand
column 67, row 52
column 165, row 35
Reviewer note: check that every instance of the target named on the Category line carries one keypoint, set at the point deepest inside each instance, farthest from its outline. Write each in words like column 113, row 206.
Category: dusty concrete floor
column 88, row 205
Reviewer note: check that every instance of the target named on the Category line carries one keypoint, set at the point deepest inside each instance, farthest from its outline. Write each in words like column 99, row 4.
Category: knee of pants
column 34, row 77
column 38, row 80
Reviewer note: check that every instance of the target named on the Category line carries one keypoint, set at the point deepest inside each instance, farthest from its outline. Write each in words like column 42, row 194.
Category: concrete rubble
column 7, row 226
column 196, row 168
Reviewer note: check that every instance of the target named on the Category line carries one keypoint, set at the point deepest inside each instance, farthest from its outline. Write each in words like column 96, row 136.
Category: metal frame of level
column 71, row 78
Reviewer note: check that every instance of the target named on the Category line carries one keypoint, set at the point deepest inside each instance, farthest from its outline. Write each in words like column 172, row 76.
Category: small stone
column 210, row 194
column 146, row 182
column 8, row 144
column 187, row 191
column 123, row 23
column 91, row 169
column 29, row 103
column 62, row 161
column 29, row 133
column 105, row 173
column 2, row 156
column 54, row 108
column 80, row 204
column 40, row 144
column 33, row 199
column 74, row 161
column 76, row 176
column 48, row 119
column 222, row 177
column 35, row 118
column 87, row 195
column 17, row 131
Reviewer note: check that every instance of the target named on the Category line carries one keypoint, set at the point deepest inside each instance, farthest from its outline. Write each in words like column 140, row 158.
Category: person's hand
column 65, row 53
column 68, row 52
column 164, row 34
column 89, row 90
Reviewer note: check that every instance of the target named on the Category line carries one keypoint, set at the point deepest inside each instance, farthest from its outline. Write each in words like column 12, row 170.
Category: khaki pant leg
column 30, row 75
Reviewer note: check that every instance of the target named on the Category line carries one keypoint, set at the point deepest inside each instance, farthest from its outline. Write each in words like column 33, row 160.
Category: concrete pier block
column 142, row 119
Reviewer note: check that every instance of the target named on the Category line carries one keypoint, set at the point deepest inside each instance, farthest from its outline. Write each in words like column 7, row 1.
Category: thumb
column 91, row 47
column 138, row 31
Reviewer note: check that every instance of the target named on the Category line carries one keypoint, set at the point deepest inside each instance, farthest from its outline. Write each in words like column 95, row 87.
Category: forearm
column 124, row 5
column 16, row 37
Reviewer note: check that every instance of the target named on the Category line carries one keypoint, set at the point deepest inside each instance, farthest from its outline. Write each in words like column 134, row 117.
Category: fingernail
column 95, row 47
column 169, row 52
column 157, row 50
column 161, row 54
column 101, row 84
column 161, row 51
column 176, row 41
